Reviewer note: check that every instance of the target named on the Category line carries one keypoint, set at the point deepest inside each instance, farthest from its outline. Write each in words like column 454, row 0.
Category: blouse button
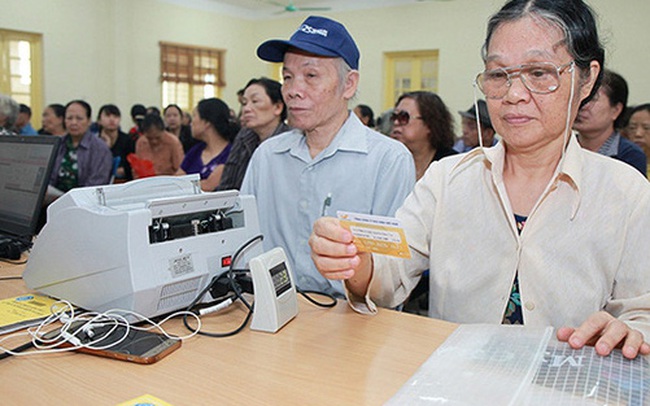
column 530, row 305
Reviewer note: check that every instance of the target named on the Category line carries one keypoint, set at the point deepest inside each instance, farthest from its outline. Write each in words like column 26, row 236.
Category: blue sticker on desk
column 23, row 298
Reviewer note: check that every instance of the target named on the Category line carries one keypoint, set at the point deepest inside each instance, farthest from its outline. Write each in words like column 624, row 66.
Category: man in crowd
column 469, row 140
column 23, row 122
column 598, row 121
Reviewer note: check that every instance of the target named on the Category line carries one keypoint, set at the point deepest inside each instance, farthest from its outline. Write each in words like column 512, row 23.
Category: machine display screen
column 281, row 278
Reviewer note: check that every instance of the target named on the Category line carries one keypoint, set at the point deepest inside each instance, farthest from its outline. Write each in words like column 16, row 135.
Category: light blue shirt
column 363, row 171
column 460, row 146
column 28, row 130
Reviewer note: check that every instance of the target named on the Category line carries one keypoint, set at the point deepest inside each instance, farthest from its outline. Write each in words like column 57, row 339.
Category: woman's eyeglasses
column 402, row 117
column 540, row 78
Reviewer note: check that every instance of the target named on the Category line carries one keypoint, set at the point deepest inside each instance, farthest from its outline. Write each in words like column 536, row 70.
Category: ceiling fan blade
column 313, row 8
column 290, row 7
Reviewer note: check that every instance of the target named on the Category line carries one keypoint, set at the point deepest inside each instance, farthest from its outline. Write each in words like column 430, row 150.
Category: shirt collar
column 569, row 169
column 346, row 139
column 86, row 140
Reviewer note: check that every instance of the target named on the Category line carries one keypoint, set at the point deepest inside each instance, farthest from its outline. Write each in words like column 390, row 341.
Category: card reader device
column 275, row 292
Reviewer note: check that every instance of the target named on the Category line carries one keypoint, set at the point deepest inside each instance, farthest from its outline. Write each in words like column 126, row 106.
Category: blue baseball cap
column 318, row 36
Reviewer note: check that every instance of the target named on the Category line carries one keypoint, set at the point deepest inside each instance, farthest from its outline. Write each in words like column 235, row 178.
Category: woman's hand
column 605, row 332
column 336, row 257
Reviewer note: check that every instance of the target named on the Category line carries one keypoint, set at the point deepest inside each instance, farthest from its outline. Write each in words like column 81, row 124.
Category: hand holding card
column 378, row 234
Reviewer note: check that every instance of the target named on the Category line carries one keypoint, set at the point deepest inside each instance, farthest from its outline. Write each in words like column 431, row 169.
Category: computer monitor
column 25, row 166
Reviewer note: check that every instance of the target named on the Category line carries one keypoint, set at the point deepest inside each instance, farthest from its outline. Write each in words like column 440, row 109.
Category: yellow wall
column 106, row 51
column 74, row 41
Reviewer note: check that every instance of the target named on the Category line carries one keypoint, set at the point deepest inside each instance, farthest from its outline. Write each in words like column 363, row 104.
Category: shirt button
column 530, row 305
column 303, row 204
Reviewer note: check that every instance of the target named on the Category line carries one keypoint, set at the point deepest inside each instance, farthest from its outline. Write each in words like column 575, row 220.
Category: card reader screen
column 281, row 278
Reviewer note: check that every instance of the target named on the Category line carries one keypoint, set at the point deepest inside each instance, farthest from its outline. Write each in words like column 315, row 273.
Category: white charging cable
column 72, row 325
column 216, row 308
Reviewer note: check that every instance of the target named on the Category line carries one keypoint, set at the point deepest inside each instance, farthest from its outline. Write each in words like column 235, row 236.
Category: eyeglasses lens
column 402, row 117
column 541, row 78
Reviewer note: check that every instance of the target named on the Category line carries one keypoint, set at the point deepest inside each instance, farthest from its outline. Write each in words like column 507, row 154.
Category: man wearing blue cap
column 330, row 161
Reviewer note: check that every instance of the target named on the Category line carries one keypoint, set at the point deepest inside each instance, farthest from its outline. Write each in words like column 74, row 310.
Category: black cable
column 26, row 241
column 305, row 294
column 10, row 278
column 220, row 335
column 241, row 270
column 21, row 348
column 236, row 289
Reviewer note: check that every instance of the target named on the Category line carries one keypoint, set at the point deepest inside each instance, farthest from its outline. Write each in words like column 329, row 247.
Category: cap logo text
column 308, row 29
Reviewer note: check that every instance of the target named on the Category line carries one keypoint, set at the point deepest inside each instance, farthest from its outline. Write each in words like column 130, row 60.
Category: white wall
column 421, row 26
column 107, row 50
column 625, row 30
column 457, row 29
column 150, row 21
column 75, row 43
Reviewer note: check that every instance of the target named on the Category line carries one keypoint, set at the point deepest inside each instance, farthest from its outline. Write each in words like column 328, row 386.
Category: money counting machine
column 149, row 246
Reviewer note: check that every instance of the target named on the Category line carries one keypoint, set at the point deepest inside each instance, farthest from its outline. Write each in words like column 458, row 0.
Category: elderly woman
column 263, row 113
column 157, row 146
column 52, row 119
column 560, row 233
column 8, row 115
column 83, row 159
column 422, row 122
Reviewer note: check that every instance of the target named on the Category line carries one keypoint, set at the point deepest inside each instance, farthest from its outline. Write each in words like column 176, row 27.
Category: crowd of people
column 208, row 141
column 558, row 227
column 214, row 143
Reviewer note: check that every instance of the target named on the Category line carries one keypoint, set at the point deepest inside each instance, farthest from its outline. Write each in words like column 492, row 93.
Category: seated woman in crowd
column 119, row 142
column 422, row 122
column 638, row 129
column 187, row 119
column 82, row 159
column 365, row 114
column 214, row 128
column 263, row 115
column 138, row 111
column 159, row 147
column 52, row 120
column 173, row 116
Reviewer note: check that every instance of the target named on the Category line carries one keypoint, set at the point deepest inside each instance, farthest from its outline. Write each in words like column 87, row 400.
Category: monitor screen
column 25, row 166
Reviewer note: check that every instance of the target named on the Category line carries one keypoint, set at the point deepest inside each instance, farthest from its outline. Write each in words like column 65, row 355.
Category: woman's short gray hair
column 573, row 17
column 9, row 111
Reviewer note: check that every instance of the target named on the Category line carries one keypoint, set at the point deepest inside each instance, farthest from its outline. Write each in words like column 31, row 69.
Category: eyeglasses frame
column 515, row 71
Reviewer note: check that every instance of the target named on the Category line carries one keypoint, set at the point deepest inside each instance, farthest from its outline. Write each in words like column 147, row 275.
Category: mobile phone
column 143, row 347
